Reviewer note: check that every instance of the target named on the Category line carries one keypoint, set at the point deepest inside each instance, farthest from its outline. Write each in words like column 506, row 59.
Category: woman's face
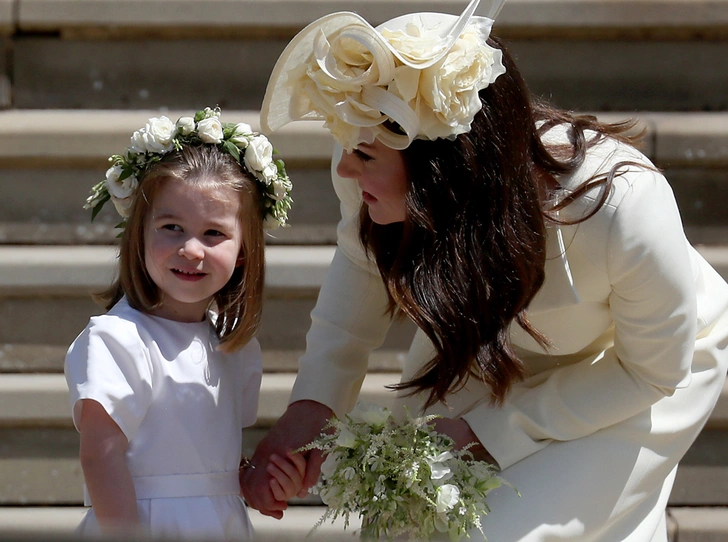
column 382, row 178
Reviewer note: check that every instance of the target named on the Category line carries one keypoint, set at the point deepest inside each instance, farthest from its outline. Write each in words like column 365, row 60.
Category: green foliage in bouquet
column 402, row 477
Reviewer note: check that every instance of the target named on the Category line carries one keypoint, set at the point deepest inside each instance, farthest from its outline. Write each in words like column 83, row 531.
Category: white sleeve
column 653, row 306
column 110, row 366
column 350, row 318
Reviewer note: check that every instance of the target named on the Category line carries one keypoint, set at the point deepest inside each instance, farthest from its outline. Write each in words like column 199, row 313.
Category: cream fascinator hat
column 414, row 77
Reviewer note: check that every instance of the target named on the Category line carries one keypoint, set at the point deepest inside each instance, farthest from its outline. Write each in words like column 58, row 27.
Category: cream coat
column 638, row 325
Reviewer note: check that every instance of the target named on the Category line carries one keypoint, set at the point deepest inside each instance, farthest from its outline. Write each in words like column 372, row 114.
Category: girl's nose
column 348, row 166
column 192, row 249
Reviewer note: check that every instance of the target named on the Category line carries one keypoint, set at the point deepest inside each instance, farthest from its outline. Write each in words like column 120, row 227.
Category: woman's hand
column 459, row 430
column 300, row 424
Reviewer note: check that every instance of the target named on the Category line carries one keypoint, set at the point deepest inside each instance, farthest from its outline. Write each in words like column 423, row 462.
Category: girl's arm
column 107, row 476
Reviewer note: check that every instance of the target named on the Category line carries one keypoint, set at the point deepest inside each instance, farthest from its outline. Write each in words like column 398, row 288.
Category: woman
column 565, row 323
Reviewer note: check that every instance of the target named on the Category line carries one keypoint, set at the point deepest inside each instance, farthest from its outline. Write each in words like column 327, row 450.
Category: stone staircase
column 78, row 76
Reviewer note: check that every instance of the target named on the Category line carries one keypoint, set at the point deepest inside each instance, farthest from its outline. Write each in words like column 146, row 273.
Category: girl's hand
column 286, row 475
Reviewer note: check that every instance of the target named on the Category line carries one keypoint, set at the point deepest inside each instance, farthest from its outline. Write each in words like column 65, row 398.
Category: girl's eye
column 172, row 227
column 364, row 157
column 214, row 233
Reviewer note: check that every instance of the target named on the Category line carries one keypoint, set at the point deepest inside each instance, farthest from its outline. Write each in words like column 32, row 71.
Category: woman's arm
column 107, row 477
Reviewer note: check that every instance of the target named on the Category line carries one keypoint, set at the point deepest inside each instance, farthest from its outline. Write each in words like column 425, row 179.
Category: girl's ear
column 241, row 259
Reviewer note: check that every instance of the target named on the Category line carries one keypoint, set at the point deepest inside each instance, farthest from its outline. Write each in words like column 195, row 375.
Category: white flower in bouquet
column 402, row 477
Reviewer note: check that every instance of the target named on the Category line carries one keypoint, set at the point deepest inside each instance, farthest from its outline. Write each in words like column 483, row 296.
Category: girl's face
column 382, row 177
column 193, row 239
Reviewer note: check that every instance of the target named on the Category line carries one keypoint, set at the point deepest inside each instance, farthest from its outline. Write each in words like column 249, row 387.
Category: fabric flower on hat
column 353, row 82
column 449, row 89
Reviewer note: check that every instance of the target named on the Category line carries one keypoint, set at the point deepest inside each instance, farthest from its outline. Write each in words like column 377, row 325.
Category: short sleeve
column 109, row 363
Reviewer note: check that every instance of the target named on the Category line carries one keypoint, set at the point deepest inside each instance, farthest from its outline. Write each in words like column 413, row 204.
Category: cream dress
column 183, row 406
column 592, row 438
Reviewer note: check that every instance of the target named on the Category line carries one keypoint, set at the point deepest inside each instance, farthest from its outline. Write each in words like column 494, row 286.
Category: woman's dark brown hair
column 239, row 303
column 470, row 254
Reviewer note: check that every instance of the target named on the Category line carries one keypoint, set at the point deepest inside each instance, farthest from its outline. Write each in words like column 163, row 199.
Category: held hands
column 300, row 424
column 287, row 476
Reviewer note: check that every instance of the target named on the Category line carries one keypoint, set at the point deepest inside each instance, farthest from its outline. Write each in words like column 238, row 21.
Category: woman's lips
column 368, row 198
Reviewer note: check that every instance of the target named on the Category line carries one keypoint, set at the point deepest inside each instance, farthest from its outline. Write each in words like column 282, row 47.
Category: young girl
column 163, row 384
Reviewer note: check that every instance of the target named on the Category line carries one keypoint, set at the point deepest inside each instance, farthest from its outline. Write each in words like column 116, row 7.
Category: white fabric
column 639, row 329
column 183, row 406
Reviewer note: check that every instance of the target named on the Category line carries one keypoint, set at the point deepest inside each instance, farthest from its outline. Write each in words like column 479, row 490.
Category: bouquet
column 403, row 478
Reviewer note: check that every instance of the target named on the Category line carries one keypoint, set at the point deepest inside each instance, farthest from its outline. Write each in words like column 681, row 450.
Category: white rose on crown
column 270, row 173
column 258, row 154
column 210, row 130
column 241, row 134
column 120, row 191
column 159, row 136
column 118, row 188
column 156, row 136
column 281, row 189
column 186, row 125
column 122, row 206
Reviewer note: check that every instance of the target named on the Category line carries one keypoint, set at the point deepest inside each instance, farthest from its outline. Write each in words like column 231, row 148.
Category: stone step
column 595, row 54
column 39, row 447
column 182, row 17
column 40, row 283
column 50, row 158
column 581, row 73
column 41, row 524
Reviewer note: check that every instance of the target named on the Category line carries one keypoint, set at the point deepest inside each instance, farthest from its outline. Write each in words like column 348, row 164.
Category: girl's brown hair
column 239, row 303
column 469, row 257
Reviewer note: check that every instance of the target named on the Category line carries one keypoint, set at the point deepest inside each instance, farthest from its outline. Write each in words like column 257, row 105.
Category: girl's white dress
column 182, row 405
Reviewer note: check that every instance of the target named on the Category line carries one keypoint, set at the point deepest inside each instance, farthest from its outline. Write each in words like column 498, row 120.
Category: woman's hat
column 415, row 76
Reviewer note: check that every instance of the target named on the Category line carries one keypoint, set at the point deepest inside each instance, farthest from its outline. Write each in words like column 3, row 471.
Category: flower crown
column 414, row 77
column 161, row 136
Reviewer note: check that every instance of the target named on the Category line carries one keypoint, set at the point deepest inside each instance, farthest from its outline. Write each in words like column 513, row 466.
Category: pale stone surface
column 708, row 524
column 43, row 14
column 96, row 134
column 7, row 17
